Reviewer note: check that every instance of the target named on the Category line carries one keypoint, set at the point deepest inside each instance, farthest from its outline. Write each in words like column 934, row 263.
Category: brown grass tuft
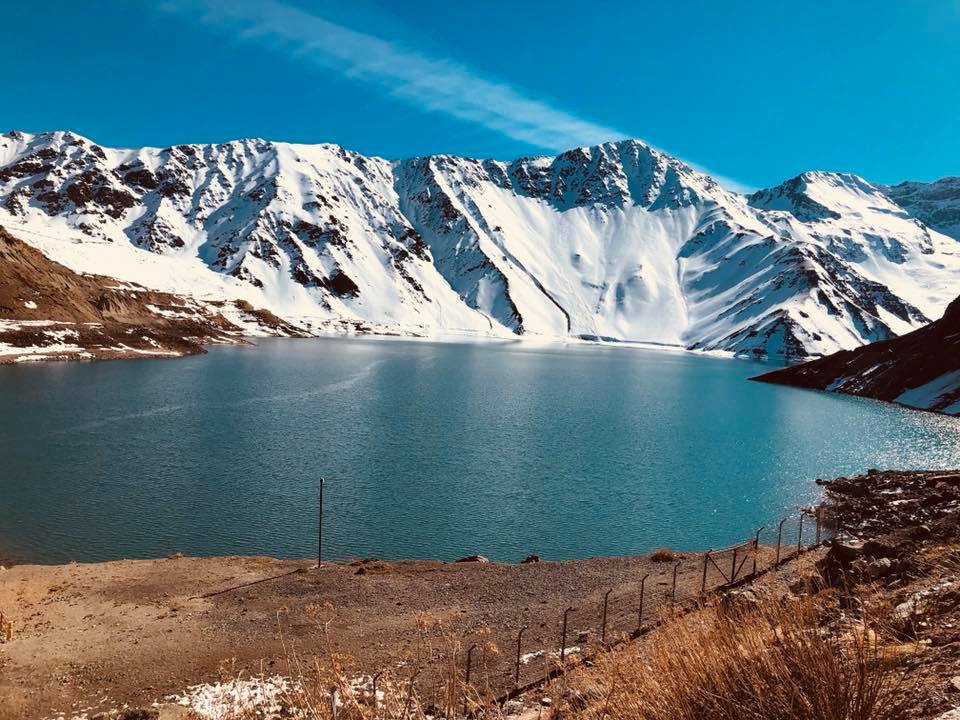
column 663, row 555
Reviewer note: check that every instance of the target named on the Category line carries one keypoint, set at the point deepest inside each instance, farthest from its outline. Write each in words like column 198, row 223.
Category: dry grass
column 663, row 555
column 770, row 661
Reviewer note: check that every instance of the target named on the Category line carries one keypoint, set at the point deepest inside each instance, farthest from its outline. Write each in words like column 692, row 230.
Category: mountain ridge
column 617, row 241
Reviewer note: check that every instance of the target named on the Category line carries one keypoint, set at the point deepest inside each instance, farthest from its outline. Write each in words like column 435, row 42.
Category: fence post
column 643, row 582
column 603, row 629
column 703, row 582
column 673, row 591
column 563, row 639
column 733, row 565
column 409, row 701
column 333, row 702
column 376, row 702
column 756, row 548
column 819, row 513
column 320, row 526
column 466, row 681
column 800, row 534
column 779, row 538
column 516, row 674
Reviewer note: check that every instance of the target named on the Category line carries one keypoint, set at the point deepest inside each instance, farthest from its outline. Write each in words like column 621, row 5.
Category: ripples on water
column 429, row 449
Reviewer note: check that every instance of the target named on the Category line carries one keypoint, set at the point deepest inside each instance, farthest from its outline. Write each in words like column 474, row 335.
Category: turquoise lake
column 429, row 449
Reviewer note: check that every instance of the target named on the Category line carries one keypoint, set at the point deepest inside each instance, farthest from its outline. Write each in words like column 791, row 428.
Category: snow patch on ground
column 261, row 697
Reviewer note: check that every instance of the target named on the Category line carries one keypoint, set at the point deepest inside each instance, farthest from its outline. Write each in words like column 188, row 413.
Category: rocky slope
column 617, row 242
column 52, row 313
column 937, row 204
column 920, row 369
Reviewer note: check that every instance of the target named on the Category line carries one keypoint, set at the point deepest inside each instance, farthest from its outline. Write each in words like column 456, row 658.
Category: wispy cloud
column 434, row 84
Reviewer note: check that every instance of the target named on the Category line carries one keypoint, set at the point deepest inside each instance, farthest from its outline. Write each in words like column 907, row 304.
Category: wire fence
column 608, row 617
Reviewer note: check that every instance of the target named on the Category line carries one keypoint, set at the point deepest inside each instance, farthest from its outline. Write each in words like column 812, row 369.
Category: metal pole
column 563, row 640
column 756, row 548
column 673, row 591
column 703, row 581
column 333, row 703
column 603, row 629
column 376, row 702
column 643, row 582
column 733, row 566
column 466, row 682
column 819, row 522
column 779, row 537
column 800, row 534
column 320, row 526
column 516, row 674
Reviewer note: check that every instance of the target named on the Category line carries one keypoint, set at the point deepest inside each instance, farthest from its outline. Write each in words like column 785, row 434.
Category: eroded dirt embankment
column 49, row 312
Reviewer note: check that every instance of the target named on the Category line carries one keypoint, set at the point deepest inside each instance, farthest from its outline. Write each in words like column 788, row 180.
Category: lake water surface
column 429, row 450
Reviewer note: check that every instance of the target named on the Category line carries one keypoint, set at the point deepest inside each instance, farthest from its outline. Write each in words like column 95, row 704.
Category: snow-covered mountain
column 617, row 241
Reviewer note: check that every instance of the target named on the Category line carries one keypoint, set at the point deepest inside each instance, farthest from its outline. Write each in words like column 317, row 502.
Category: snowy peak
column 617, row 241
column 609, row 175
column 816, row 195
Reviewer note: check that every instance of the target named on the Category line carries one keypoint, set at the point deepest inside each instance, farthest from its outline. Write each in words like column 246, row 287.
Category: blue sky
column 754, row 92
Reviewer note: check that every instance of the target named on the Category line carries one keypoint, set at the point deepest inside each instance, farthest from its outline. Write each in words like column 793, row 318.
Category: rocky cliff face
column 920, row 369
column 616, row 242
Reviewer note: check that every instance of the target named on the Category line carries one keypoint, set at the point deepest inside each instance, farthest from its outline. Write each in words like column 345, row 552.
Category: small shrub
column 663, row 555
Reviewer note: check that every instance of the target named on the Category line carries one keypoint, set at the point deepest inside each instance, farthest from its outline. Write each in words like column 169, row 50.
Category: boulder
column 512, row 707
column 878, row 569
column 739, row 600
column 473, row 559
column 530, row 559
column 876, row 549
column 846, row 551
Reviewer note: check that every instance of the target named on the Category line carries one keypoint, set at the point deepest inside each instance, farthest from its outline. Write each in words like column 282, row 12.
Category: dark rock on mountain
column 936, row 204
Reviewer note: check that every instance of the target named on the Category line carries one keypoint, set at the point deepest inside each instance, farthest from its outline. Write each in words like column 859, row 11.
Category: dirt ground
column 89, row 637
